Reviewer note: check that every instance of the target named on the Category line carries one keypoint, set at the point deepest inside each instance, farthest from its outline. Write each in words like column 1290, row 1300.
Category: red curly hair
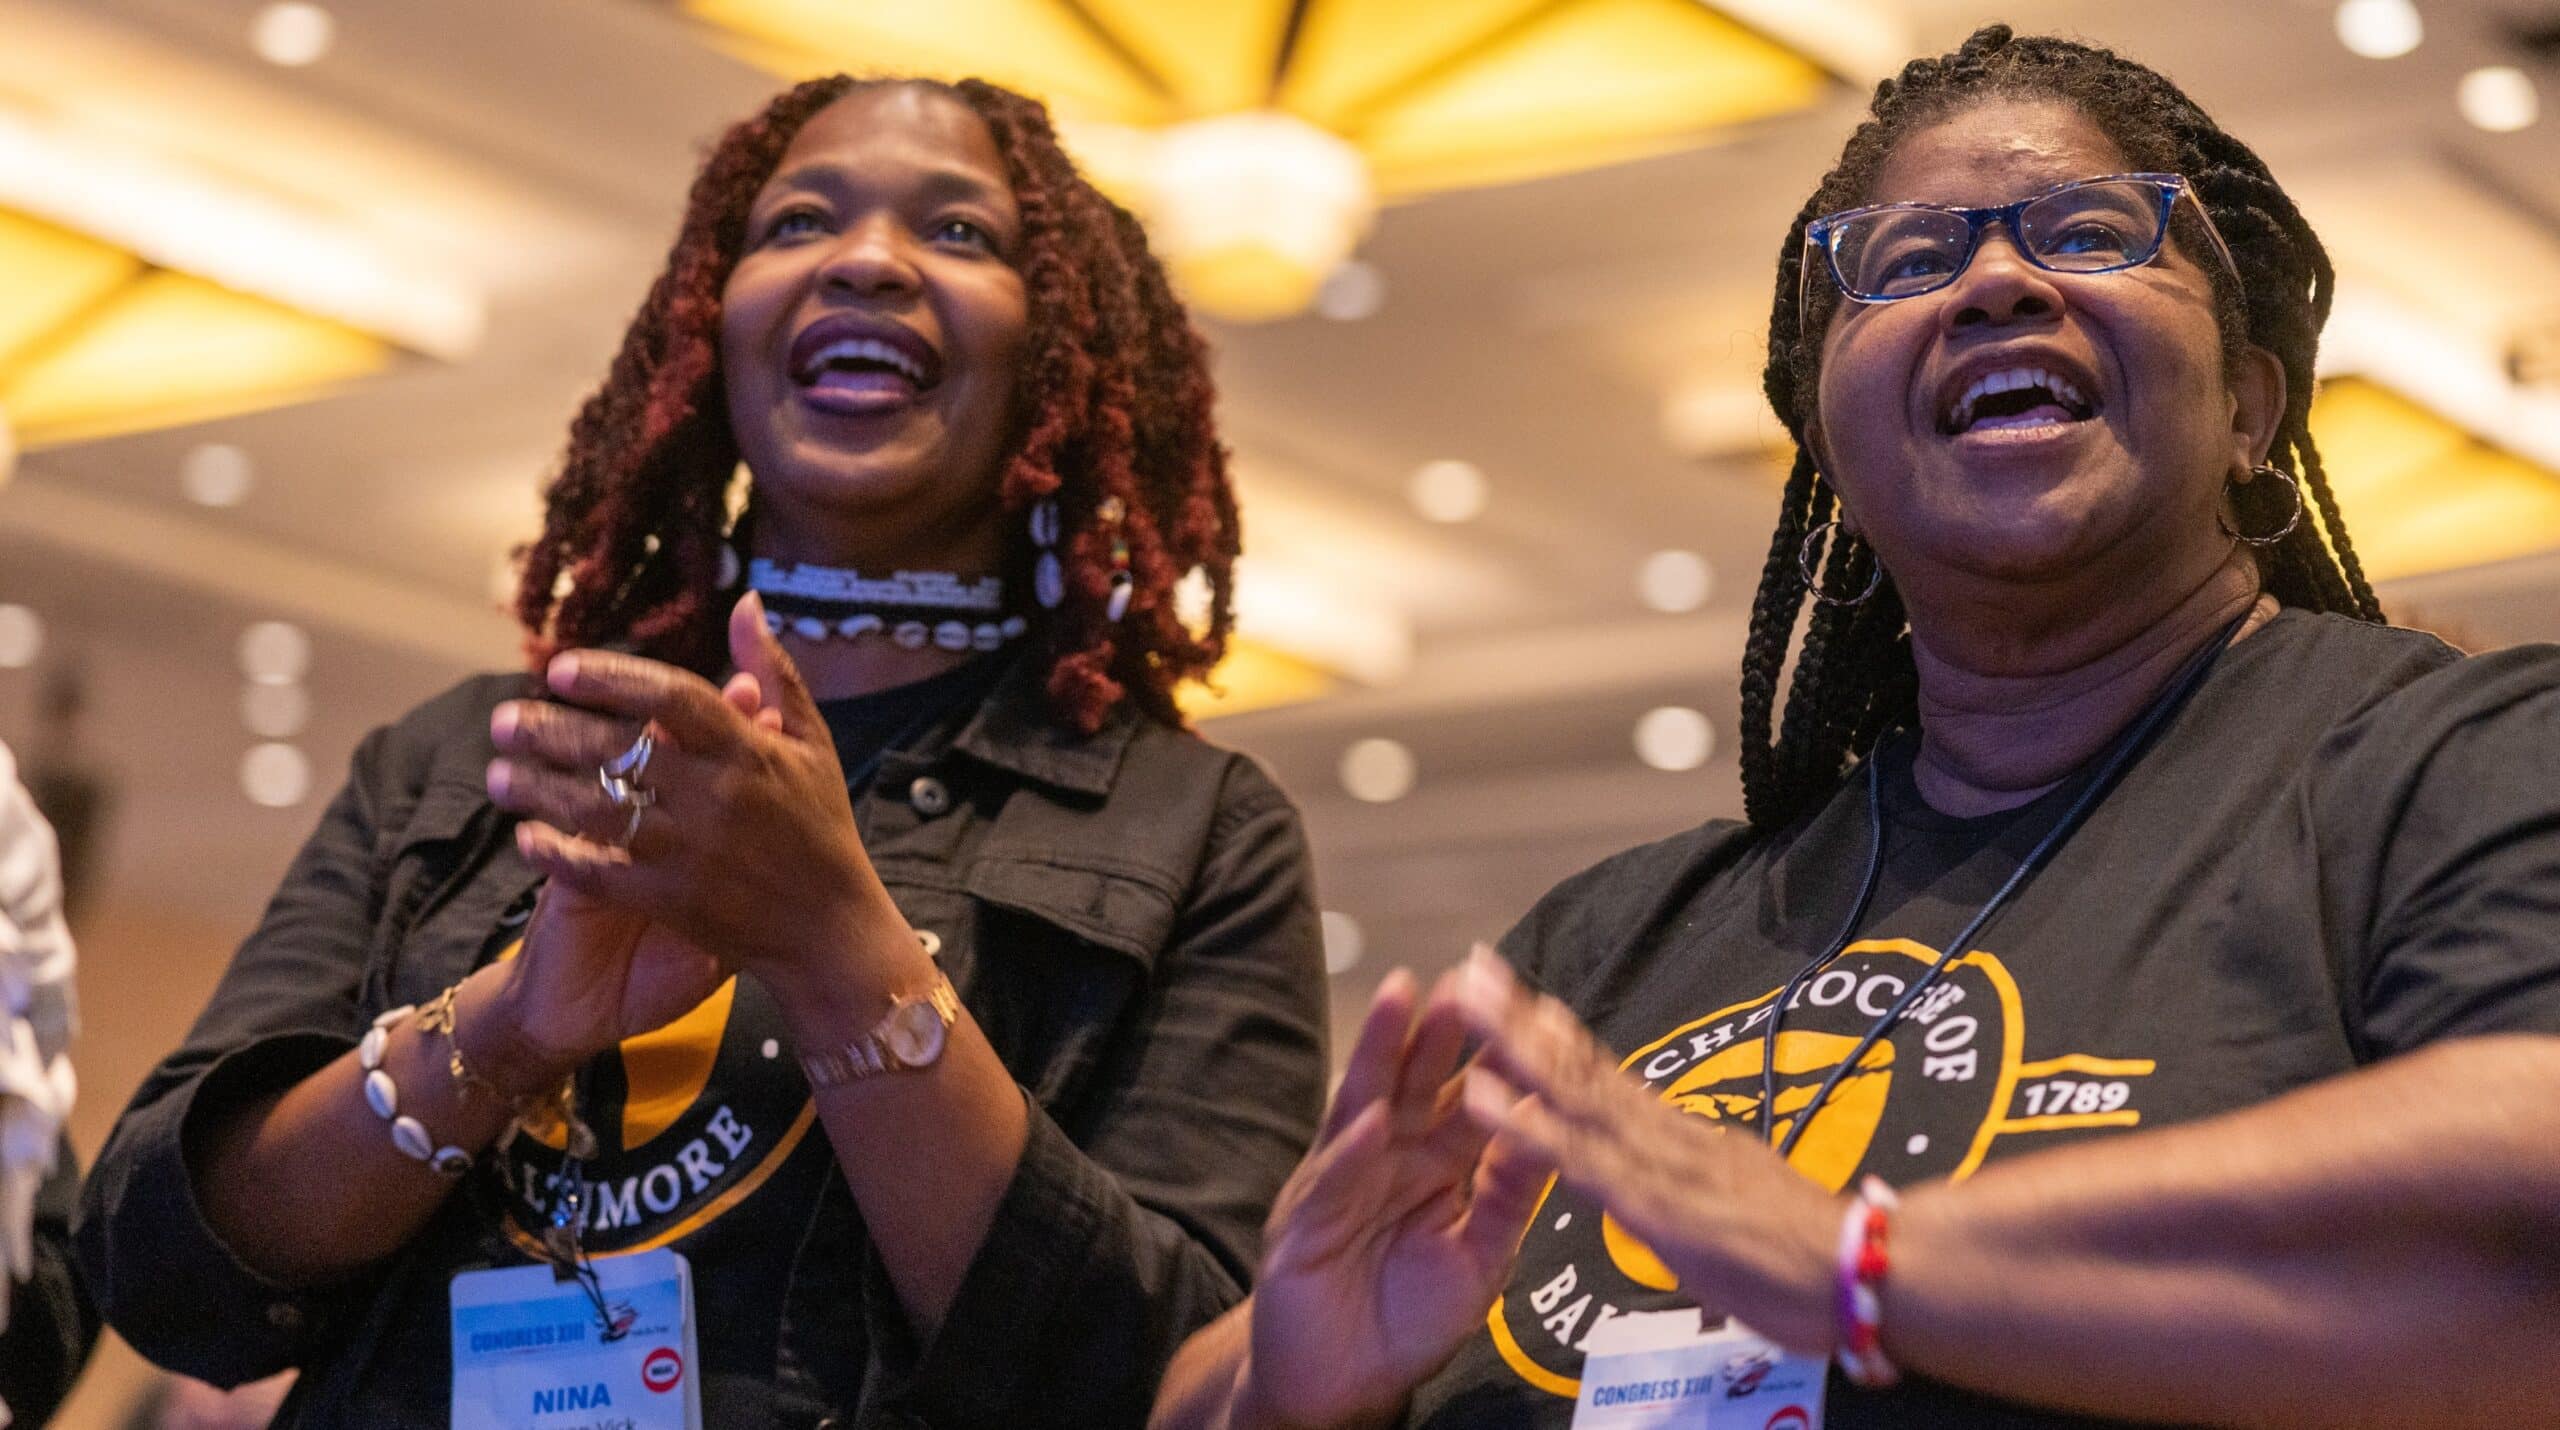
column 1114, row 390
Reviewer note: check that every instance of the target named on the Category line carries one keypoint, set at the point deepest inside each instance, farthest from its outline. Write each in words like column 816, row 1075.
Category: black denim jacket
column 1129, row 916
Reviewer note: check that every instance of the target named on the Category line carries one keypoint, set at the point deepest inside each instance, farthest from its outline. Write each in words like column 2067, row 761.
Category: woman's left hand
column 1745, row 1233
column 748, row 846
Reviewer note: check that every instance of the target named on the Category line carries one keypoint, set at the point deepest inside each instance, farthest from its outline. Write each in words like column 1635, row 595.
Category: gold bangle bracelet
column 549, row 1117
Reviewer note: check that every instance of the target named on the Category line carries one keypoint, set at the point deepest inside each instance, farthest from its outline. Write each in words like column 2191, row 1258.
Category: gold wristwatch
column 911, row 1036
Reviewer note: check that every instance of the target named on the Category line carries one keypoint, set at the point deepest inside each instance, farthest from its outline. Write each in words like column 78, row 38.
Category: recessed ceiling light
column 275, row 712
column 1719, row 413
column 1675, row 738
column 1675, row 582
column 1449, row 491
column 275, row 775
column 2379, row 29
column 291, row 33
column 274, row 652
column 1343, row 944
column 215, row 474
column 21, row 637
column 1352, row 291
column 1377, row 770
column 2498, row 98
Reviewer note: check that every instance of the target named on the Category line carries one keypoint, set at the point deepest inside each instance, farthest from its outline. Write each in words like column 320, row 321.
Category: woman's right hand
column 1392, row 1239
column 589, row 976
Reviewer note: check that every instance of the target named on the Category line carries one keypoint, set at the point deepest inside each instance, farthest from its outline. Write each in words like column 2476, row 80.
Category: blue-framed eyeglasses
column 1887, row 252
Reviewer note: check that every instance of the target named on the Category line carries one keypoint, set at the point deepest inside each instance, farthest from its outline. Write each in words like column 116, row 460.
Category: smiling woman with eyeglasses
column 2180, row 939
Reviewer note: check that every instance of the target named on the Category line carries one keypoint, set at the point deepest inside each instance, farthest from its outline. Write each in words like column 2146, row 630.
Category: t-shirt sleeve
column 1585, row 929
column 2440, row 810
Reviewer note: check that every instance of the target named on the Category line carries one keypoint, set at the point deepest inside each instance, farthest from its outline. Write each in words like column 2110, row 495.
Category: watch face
column 914, row 1034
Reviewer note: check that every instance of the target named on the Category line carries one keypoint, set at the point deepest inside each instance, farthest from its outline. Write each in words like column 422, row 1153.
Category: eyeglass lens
column 2086, row 228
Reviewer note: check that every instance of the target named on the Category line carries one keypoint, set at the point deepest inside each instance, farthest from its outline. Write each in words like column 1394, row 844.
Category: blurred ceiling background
column 1507, row 479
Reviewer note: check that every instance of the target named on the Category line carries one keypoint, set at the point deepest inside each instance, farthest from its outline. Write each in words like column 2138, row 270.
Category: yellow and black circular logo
column 690, row 1120
column 1925, row 1101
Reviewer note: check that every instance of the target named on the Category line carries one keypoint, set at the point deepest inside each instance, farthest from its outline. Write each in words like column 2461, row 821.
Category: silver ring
column 624, row 793
column 620, row 778
column 632, row 763
column 631, row 827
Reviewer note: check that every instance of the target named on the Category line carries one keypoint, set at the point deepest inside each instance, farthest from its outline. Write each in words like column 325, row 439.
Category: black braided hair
column 1854, row 677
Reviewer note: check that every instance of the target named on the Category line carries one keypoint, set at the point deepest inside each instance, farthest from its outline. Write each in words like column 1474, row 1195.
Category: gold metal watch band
column 911, row 1035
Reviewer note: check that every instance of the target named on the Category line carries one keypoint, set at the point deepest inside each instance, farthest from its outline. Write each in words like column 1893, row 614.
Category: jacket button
column 930, row 796
column 931, row 941
column 284, row 1315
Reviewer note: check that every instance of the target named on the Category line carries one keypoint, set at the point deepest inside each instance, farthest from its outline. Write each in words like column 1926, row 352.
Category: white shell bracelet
column 383, row 1096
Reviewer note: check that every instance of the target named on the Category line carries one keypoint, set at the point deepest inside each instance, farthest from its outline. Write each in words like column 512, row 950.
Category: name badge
column 1664, row 1373
column 529, row 1352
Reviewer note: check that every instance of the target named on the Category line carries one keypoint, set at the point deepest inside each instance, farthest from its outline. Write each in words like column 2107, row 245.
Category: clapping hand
column 1743, row 1231
column 1392, row 1239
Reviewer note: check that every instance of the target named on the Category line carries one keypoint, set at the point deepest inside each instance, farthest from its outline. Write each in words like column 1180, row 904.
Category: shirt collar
column 1013, row 729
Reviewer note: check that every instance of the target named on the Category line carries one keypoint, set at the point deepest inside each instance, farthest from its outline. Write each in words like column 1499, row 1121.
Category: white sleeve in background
column 37, row 1018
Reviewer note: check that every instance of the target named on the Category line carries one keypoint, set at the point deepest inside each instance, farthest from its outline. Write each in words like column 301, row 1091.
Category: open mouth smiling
column 2014, row 395
column 857, row 364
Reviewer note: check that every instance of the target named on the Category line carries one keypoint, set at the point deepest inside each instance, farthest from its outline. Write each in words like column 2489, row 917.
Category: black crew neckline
column 1904, row 805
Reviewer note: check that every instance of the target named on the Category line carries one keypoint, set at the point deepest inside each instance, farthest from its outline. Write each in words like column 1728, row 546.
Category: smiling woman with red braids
column 834, row 987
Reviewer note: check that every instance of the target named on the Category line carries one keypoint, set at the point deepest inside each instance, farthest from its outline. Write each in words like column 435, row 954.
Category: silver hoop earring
column 1813, row 578
column 2292, row 483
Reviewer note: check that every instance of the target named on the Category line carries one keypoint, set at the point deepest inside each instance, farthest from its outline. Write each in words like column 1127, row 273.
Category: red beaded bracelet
column 1862, row 1267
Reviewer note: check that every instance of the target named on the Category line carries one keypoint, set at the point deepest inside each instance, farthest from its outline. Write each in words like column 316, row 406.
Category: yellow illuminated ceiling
column 94, row 341
column 1438, row 95
column 2421, row 494
column 1254, row 676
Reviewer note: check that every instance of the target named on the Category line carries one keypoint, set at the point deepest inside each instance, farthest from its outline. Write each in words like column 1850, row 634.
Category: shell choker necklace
column 909, row 609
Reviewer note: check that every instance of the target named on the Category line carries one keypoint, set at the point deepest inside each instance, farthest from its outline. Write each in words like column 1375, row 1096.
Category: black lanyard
column 564, row 1240
column 2119, row 756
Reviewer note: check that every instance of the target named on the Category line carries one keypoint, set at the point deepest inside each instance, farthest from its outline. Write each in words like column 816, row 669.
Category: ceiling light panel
column 1037, row 46
column 171, row 348
column 175, row 216
column 2419, row 493
column 1594, row 83
column 1352, row 56
column 1211, row 57
column 55, row 275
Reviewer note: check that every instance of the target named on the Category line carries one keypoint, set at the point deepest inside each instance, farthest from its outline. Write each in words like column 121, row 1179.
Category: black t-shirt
column 709, row 1140
column 2344, row 845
